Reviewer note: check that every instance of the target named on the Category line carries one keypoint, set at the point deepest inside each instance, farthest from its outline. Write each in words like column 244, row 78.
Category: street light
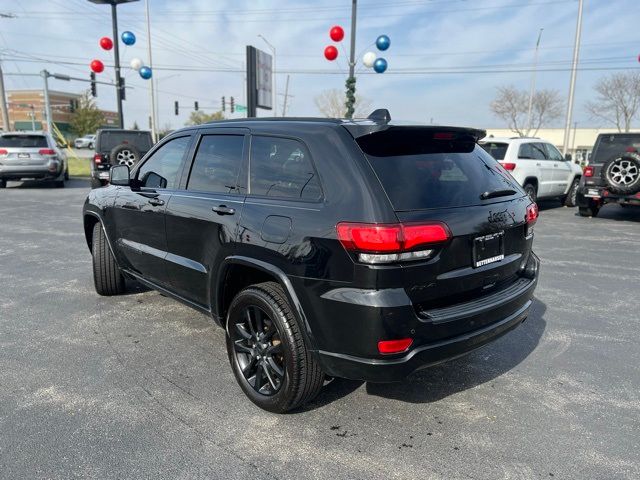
column 116, row 50
column 275, row 89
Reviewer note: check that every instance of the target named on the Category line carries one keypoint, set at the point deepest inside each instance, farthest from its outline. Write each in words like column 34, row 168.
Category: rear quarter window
column 419, row 172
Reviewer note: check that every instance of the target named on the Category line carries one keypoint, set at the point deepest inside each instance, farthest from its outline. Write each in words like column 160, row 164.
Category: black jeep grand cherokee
column 356, row 249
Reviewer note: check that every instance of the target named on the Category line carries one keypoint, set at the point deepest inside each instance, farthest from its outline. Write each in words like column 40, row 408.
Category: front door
column 202, row 217
column 561, row 169
column 139, row 211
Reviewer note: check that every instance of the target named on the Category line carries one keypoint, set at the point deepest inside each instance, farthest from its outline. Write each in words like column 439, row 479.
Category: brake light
column 97, row 158
column 46, row 151
column 508, row 166
column 532, row 214
column 387, row 243
column 632, row 150
column 588, row 171
column 3, row 151
column 388, row 347
column 444, row 136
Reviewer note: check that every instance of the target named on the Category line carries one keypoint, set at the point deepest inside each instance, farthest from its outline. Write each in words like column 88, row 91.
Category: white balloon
column 369, row 59
column 136, row 64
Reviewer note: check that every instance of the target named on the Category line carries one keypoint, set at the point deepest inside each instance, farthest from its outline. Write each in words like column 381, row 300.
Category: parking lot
column 139, row 386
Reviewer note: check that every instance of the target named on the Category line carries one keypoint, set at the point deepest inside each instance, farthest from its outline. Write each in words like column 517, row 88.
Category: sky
column 446, row 60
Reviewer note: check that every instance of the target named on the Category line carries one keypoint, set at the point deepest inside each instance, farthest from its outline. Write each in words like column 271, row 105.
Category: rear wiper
column 497, row 193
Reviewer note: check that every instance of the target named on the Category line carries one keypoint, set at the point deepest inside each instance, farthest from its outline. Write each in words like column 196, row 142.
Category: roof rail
column 381, row 115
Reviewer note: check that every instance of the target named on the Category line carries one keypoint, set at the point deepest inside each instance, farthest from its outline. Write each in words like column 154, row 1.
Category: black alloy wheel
column 258, row 350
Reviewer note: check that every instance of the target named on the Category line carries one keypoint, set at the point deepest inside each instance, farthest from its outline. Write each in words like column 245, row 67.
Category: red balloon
column 331, row 53
column 97, row 66
column 336, row 33
column 106, row 43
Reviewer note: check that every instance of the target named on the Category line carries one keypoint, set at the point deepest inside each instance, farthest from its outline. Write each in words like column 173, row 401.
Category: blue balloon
column 145, row 72
column 380, row 65
column 128, row 38
column 383, row 42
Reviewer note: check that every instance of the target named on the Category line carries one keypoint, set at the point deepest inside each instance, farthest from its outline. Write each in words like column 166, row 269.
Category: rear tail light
column 3, row 151
column 444, row 136
column 46, row 151
column 588, row 171
column 388, row 347
column 390, row 243
column 532, row 214
column 97, row 158
column 632, row 150
column 508, row 166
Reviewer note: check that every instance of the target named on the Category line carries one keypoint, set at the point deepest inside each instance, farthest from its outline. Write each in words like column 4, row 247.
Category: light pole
column 533, row 80
column 275, row 89
column 116, row 50
column 572, row 84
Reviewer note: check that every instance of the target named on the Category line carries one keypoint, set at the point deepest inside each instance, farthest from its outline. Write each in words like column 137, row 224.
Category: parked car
column 88, row 141
column 538, row 166
column 117, row 147
column 30, row 155
column 613, row 174
column 324, row 247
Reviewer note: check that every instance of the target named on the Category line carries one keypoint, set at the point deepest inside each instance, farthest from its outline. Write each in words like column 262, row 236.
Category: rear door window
column 216, row 164
column 109, row 140
column 497, row 150
column 23, row 141
column 609, row 146
column 418, row 171
column 532, row 151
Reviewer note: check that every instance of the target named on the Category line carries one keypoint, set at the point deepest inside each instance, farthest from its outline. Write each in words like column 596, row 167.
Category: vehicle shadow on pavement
column 41, row 184
column 617, row 213
column 481, row 366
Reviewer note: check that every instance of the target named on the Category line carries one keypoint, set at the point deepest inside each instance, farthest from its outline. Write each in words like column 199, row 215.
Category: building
column 581, row 139
column 26, row 111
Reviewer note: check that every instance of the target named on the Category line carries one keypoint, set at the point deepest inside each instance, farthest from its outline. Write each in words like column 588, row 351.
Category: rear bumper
column 439, row 334
column 590, row 194
column 17, row 172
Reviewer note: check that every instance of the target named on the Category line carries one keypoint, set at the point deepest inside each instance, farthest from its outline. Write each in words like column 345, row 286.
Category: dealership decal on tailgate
column 488, row 249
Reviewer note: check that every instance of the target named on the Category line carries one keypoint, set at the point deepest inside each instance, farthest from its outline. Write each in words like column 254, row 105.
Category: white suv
column 538, row 166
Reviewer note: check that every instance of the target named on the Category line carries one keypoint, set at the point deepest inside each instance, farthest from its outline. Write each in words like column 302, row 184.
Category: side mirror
column 119, row 175
column 567, row 157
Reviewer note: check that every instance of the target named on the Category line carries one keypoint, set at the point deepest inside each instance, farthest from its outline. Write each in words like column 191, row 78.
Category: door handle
column 538, row 164
column 555, row 165
column 156, row 202
column 224, row 210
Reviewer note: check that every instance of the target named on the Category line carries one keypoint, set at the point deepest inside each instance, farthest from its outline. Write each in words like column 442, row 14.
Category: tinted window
column 497, row 150
column 110, row 139
column 23, row 141
column 610, row 145
column 163, row 169
column 419, row 172
column 281, row 167
column 217, row 162
column 533, row 151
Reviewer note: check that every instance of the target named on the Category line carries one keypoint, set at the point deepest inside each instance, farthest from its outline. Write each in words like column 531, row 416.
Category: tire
column 621, row 173
column 571, row 197
column 588, row 211
column 96, row 183
column 3, row 183
column 107, row 277
column 124, row 154
column 281, row 374
column 531, row 190
column 66, row 174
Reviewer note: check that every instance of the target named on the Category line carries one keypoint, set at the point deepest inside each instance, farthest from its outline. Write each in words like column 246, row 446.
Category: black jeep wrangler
column 324, row 247
column 613, row 174
column 117, row 147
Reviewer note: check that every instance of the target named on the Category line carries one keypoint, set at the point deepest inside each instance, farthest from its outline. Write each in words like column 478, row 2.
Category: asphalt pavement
column 139, row 386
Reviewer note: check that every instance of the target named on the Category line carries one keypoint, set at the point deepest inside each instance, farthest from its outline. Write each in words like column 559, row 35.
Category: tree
column 135, row 126
column 199, row 117
column 331, row 104
column 512, row 106
column 618, row 99
column 87, row 118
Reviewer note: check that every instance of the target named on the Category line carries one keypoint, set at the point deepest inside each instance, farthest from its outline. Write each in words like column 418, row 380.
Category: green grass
column 79, row 167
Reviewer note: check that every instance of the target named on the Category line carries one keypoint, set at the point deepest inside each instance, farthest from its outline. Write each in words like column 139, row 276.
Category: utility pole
column 47, row 102
column 33, row 118
column 572, row 85
column 116, row 54
column 3, row 103
column 151, row 90
column 351, row 81
column 533, row 80
column 286, row 96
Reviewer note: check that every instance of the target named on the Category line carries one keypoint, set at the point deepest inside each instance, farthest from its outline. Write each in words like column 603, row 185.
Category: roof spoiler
column 381, row 115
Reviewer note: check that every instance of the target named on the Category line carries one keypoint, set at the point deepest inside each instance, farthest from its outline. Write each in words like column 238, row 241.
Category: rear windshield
column 419, row 172
column 23, row 141
column 496, row 149
column 108, row 140
column 611, row 145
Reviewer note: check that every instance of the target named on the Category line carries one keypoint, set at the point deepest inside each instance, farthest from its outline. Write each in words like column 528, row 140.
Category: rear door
column 139, row 211
column 202, row 217
column 431, row 176
column 535, row 152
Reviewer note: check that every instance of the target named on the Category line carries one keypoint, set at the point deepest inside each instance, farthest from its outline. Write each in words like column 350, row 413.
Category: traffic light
column 123, row 94
column 224, row 107
column 195, row 106
column 175, row 107
column 232, row 105
column 94, row 90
